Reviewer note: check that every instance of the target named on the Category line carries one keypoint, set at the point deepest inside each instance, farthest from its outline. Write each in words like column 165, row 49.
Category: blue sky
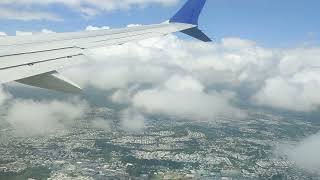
column 271, row 23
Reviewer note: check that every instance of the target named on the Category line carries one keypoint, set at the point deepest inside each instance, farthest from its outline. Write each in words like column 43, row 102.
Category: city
column 166, row 149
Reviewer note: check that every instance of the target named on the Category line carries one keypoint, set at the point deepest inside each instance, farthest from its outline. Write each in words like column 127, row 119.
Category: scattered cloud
column 100, row 123
column 23, row 15
column 46, row 31
column 28, row 33
column 132, row 120
column 122, row 96
column 4, row 96
column 30, row 118
column 133, row 25
column 86, row 7
column 93, row 28
column 306, row 153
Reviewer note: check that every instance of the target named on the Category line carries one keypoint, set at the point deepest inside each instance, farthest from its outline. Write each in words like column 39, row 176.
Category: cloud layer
column 278, row 78
column 200, row 81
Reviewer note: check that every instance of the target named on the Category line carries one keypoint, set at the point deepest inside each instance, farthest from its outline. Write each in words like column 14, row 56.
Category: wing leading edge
column 34, row 60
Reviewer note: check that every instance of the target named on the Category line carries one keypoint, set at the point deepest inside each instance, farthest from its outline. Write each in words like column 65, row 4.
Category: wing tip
column 189, row 13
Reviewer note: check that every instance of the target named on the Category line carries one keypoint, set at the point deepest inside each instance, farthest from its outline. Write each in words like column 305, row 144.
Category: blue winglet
column 189, row 13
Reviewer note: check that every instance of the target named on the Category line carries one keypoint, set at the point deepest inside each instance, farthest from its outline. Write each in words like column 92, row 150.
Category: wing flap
column 51, row 81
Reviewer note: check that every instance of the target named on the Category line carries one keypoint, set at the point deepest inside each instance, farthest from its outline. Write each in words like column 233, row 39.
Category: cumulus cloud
column 170, row 66
column 295, row 85
column 185, row 97
column 116, row 68
column 306, row 153
column 297, row 93
column 278, row 78
column 196, row 80
column 29, row 118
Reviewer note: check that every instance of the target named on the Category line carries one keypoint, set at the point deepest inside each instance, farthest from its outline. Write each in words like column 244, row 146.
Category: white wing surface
column 34, row 60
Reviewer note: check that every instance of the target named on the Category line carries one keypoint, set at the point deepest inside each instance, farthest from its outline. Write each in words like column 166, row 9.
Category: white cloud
column 93, row 28
column 133, row 25
column 184, row 97
column 117, row 68
column 4, row 96
column 18, row 14
column 156, row 61
column 295, row 84
column 297, row 93
column 306, row 153
column 100, row 123
column 132, row 120
column 3, row 34
column 187, row 83
column 87, row 7
column 123, row 96
column 279, row 78
column 167, row 68
column 189, row 105
column 47, row 31
column 27, row 33
column 29, row 118
column 237, row 43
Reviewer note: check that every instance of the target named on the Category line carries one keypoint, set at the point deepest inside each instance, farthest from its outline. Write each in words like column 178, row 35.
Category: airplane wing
column 34, row 60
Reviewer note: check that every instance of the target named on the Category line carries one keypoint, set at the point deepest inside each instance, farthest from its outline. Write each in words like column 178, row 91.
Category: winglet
column 189, row 14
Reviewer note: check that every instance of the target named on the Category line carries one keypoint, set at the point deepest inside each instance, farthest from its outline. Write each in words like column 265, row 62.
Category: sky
column 265, row 53
column 271, row 23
